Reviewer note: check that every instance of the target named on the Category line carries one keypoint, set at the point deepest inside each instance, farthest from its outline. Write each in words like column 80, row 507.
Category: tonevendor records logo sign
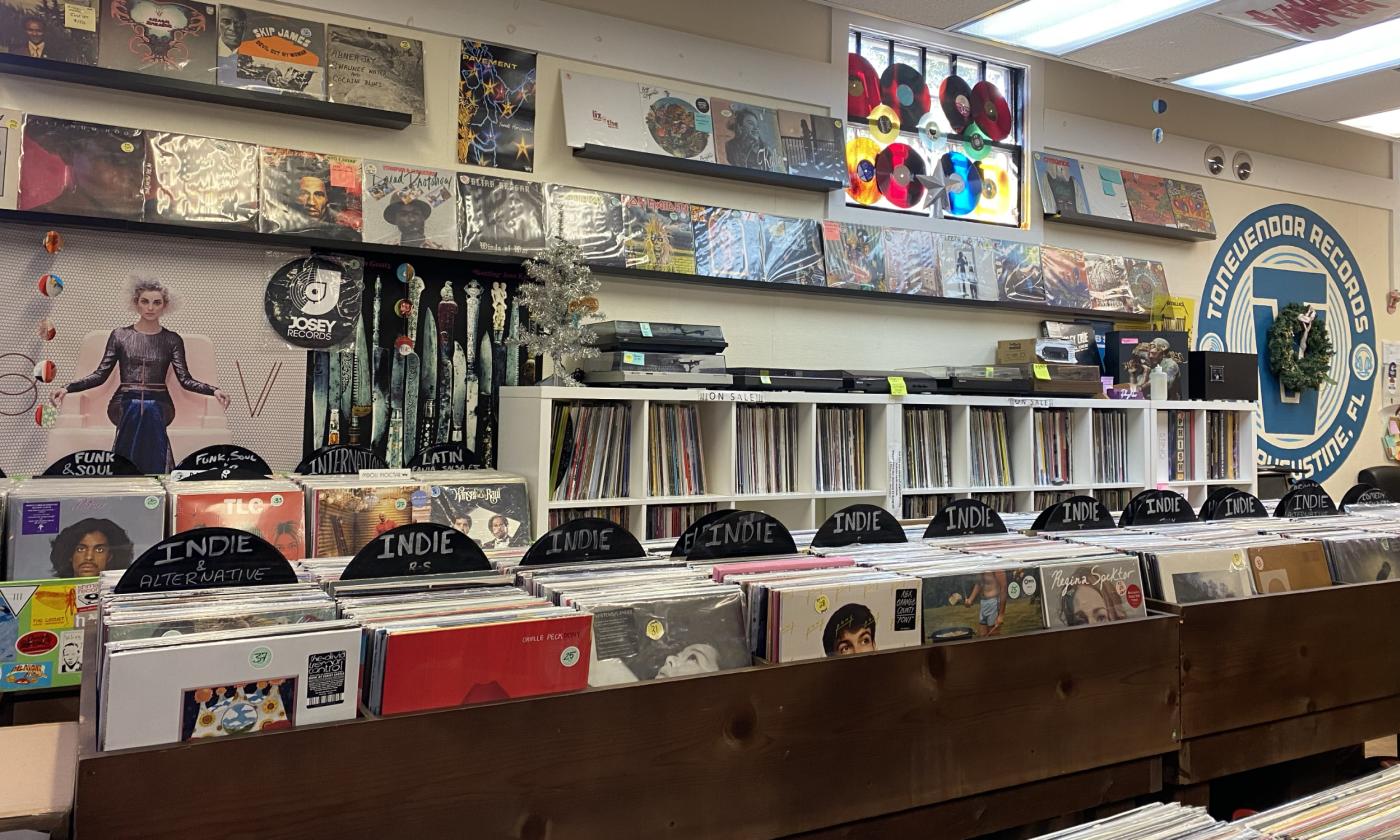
column 1286, row 254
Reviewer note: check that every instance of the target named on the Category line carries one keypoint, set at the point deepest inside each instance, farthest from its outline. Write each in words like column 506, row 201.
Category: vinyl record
column 314, row 302
column 964, row 182
column 955, row 97
column 903, row 89
column 860, row 170
column 976, row 144
column 931, row 137
column 863, row 88
column 997, row 192
column 884, row 124
column 896, row 171
column 990, row 111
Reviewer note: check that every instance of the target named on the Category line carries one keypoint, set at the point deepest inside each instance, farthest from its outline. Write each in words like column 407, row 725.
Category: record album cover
column 602, row 112
column 496, row 107
column 957, row 262
column 911, row 262
column 1363, row 560
column 310, row 194
column 64, row 31
column 276, row 515
column 1189, row 206
column 1148, row 199
column 667, row 637
column 1288, row 567
column 1196, row 575
column 166, row 37
column 846, row 617
column 63, row 533
column 747, row 136
column 1061, row 184
column 679, row 124
column 41, row 632
column 500, row 215
column 728, row 243
column 988, row 285
column 658, row 235
column 343, row 520
column 82, row 168
column 1092, row 592
column 271, row 53
column 494, row 513
column 375, row 70
column 993, row 602
column 591, row 220
column 10, row 145
column 410, row 205
column 1147, row 280
column 201, row 180
column 1106, row 195
column 813, row 145
column 1018, row 272
column 1066, row 280
column 1108, row 283
column 855, row 256
column 792, row 251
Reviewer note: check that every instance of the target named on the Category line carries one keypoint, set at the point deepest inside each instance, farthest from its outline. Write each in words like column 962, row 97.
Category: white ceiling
column 1173, row 49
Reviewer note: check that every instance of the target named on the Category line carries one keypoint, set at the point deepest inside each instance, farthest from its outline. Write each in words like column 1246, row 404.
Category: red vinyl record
column 863, row 90
column 896, row 169
column 990, row 111
column 903, row 89
column 955, row 97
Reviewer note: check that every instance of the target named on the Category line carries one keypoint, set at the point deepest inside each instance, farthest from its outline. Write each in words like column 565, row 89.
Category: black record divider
column 399, row 252
column 741, row 533
column 1307, row 498
column 964, row 518
column 226, row 458
column 1365, row 494
column 859, row 524
column 160, row 85
column 339, row 460
column 445, row 456
column 418, row 549
column 1077, row 513
column 1237, row 504
column 687, row 538
column 584, row 540
column 205, row 558
column 91, row 463
column 1157, row 507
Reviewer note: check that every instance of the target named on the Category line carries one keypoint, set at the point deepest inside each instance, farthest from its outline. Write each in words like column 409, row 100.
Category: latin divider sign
column 687, row 539
column 859, row 525
column 1306, row 499
column 1077, row 513
column 965, row 518
column 90, row 463
column 1157, row 507
column 1236, row 504
column 224, row 457
column 205, row 558
column 422, row 548
column 1365, row 494
column 445, row 456
column 584, row 540
column 742, row 533
column 340, row 460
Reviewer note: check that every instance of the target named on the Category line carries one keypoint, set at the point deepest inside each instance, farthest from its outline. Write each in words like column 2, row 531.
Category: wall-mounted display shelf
column 593, row 151
column 82, row 74
column 1128, row 226
column 1001, row 446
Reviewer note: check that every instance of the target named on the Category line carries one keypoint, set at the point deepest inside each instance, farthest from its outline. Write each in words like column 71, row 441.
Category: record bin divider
column 1038, row 725
column 1278, row 677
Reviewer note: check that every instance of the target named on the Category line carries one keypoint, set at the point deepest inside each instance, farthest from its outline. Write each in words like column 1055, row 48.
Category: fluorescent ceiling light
column 1386, row 122
column 1060, row 26
column 1314, row 63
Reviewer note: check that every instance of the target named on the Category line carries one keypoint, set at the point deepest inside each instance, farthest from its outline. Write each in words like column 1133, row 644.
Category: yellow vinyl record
column 860, row 170
column 998, row 193
column 884, row 124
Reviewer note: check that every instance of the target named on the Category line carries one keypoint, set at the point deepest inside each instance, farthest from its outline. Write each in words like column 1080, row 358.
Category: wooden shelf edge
column 1125, row 226
column 593, row 151
column 126, row 80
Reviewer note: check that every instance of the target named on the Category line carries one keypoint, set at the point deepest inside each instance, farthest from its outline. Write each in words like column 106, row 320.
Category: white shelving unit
column 526, row 412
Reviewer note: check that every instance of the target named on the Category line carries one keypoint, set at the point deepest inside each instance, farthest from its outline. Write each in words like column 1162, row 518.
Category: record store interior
column 961, row 419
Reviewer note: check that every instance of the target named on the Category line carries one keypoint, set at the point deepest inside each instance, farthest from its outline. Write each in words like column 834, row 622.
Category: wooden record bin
column 1277, row 677
column 961, row 739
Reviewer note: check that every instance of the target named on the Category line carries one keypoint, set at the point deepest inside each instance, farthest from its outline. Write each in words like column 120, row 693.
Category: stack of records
column 493, row 508
column 840, row 447
column 1110, row 447
column 1361, row 809
column 344, row 513
column 674, row 449
column 1363, row 559
column 1054, row 442
column 591, row 450
column 81, row 527
column 1170, row 821
column 767, row 449
column 270, row 508
column 926, row 447
column 1199, row 574
column 991, row 459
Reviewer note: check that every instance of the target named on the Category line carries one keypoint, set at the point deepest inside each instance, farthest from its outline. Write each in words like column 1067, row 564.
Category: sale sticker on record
column 860, row 169
column 863, row 87
column 903, row 89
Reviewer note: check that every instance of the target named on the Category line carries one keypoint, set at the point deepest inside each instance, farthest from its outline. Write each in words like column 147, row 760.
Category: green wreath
column 1294, row 373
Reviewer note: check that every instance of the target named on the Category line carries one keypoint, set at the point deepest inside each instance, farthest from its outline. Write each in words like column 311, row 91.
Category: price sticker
column 630, row 358
column 898, row 387
column 79, row 17
column 765, row 379
column 1040, row 371
column 645, row 327
column 989, row 371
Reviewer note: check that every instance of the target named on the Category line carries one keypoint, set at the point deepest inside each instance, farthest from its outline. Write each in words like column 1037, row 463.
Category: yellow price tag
column 898, row 388
column 990, row 371
column 765, row 379
column 1040, row 371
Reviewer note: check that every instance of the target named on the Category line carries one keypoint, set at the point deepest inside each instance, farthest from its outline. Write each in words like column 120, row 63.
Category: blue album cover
column 728, row 243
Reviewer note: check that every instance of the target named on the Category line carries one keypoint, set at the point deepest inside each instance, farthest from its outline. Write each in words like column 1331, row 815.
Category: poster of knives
column 426, row 363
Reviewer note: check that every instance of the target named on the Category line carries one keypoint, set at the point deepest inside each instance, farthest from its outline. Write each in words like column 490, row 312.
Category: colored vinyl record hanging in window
column 903, row 89
column 860, row 170
column 863, row 88
column 897, row 168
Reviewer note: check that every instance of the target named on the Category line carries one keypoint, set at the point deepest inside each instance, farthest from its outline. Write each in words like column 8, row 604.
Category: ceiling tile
column 1341, row 100
column 1178, row 47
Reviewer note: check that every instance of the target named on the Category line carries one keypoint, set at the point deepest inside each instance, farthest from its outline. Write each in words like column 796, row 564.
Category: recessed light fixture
column 1061, row 26
column 1385, row 122
column 1314, row 63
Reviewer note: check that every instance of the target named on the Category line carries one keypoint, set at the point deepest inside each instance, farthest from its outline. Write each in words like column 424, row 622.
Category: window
column 901, row 82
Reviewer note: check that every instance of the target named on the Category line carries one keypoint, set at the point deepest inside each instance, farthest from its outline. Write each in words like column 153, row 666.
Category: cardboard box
column 1025, row 351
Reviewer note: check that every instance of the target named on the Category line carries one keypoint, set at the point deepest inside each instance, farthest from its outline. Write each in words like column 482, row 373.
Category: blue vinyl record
column 964, row 182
